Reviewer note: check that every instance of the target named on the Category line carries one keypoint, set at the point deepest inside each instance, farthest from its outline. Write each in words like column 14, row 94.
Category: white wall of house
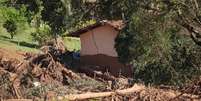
column 100, row 40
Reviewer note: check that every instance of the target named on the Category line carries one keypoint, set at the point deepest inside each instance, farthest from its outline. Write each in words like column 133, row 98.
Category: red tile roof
column 117, row 25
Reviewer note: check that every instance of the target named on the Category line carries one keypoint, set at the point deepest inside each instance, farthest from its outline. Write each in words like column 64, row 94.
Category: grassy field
column 23, row 41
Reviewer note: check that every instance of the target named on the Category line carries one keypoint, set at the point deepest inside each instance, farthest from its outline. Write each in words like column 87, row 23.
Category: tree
column 52, row 12
column 155, row 16
column 151, row 40
column 185, row 13
column 42, row 34
column 11, row 27
column 12, row 18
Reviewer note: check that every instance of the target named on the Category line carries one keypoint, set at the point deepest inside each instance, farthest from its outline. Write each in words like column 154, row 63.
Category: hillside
column 23, row 41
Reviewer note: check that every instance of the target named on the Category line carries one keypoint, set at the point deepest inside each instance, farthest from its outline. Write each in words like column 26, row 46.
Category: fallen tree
column 138, row 90
column 104, row 94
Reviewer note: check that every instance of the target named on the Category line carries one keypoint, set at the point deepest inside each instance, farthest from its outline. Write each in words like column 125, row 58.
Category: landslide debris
column 40, row 73
column 44, row 77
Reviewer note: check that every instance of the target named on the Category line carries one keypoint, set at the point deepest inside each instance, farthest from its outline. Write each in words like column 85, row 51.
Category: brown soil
column 12, row 54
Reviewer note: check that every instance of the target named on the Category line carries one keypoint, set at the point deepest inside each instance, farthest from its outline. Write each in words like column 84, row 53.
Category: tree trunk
column 11, row 35
column 171, row 96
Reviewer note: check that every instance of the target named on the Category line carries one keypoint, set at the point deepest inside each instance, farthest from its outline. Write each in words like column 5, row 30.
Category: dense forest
column 161, row 39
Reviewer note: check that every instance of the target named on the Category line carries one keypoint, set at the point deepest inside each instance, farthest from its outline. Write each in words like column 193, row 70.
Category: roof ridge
column 116, row 24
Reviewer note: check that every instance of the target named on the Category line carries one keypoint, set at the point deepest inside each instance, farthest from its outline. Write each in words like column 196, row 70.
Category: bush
column 42, row 34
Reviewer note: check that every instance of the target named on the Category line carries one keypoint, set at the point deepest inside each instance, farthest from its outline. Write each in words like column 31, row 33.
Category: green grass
column 23, row 41
column 72, row 43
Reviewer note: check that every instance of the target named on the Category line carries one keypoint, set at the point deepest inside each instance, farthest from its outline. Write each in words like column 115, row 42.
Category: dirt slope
column 12, row 54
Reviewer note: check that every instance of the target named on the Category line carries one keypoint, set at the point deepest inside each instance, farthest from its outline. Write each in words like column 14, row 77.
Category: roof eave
column 84, row 30
column 90, row 27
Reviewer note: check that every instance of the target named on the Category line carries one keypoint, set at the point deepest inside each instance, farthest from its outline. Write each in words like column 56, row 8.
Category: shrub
column 42, row 34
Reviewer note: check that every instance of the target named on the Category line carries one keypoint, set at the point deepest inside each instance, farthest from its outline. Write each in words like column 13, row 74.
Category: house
column 98, row 47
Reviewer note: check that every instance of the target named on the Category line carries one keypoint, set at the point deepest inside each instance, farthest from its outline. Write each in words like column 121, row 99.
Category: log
column 89, row 95
column 18, row 100
column 135, row 89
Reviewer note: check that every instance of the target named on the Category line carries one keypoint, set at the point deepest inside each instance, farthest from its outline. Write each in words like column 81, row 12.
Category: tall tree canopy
column 53, row 12
column 185, row 13
column 152, row 39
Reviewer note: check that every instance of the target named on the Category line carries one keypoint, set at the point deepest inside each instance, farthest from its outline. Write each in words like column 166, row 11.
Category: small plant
column 11, row 27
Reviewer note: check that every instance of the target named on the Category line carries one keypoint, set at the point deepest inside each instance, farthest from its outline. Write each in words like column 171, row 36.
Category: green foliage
column 11, row 27
column 159, row 58
column 54, row 13
column 148, row 52
column 12, row 19
column 10, row 13
column 103, row 9
column 42, row 34
column 79, row 24
column 178, row 69
column 82, row 24
column 24, row 12
column 152, row 42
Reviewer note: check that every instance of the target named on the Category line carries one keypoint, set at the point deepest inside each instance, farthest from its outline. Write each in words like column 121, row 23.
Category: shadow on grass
column 25, row 44
column 4, row 37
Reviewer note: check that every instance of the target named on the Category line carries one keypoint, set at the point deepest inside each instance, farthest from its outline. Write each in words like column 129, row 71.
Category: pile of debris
column 41, row 68
column 43, row 76
column 37, row 74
